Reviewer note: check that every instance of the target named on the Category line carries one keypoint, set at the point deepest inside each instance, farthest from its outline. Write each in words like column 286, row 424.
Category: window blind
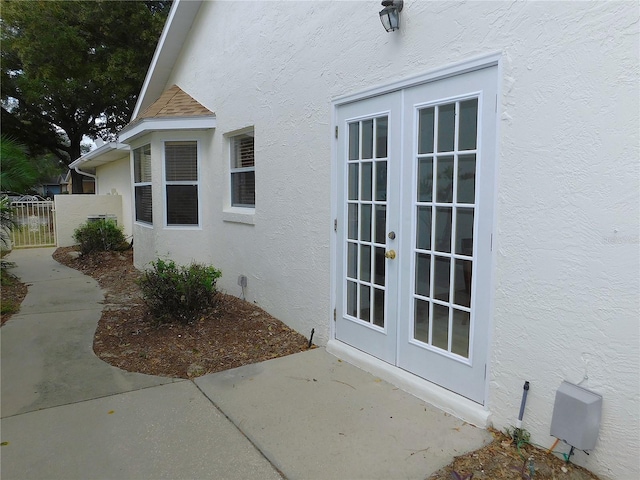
column 181, row 161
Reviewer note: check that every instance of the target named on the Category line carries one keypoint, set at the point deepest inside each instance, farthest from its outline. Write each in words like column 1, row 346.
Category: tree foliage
column 73, row 68
column 16, row 171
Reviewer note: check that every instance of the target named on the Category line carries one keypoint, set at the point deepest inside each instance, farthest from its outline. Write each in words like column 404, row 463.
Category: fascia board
column 174, row 33
column 106, row 153
column 147, row 125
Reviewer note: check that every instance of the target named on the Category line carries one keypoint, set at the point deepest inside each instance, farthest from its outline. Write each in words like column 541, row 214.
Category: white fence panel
column 35, row 225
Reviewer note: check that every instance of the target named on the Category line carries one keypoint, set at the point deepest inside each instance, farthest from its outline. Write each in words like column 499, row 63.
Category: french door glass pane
column 353, row 181
column 460, row 333
column 367, row 181
column 365, row 303
column 367, row 139
column 421, row 324
column 446, row 127
column 352, row 298
column 352, row 230
column 366, row 223
column 425, row 179
column 381, row 137
column 423, row 274
column 466, row 192
column 464, row 231
column 440, row 329
column 354, row 141
column 352, row 260
column 378, row 307
column 365, row 263
column 462, row 283
column 379, row 265
column 426, row 119
column 423, row 240
column 381, row 223
column 441, row 278
column 444, row 186
column 443, row 229
column 468, row 126
column 381, row 181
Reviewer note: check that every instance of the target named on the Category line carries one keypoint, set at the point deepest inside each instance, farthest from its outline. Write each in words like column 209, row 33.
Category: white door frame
column 471, row 411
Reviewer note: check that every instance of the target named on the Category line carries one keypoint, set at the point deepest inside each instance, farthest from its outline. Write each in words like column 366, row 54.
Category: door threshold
column 452, row 403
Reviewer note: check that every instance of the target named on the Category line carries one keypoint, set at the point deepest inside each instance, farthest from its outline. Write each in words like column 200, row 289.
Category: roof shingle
column 174, row 102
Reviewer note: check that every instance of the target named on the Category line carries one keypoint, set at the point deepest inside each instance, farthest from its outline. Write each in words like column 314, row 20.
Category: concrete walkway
column 66, row 414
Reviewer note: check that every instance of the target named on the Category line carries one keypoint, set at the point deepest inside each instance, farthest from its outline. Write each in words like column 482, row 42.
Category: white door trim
column 453, row 69
column 449, row 401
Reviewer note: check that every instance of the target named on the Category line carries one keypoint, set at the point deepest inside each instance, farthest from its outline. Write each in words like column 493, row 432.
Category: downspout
column 87, row 174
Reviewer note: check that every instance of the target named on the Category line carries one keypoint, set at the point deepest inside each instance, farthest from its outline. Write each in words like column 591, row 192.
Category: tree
column 16, row 171
column 74, row 68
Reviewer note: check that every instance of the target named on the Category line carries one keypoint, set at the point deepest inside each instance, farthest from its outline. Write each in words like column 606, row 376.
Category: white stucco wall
column 73, row 210
column 114, row 178
column 566, row 277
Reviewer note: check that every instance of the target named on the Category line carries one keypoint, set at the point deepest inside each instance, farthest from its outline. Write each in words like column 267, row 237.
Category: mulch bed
column 13, row 292
column 232, row 334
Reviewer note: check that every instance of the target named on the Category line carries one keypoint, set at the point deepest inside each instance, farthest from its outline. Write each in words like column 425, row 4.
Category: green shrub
column 179, row 292
column 99, row 236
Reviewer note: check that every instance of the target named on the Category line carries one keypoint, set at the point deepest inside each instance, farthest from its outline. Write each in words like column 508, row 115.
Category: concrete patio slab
column 316, row 417
column 170, row 431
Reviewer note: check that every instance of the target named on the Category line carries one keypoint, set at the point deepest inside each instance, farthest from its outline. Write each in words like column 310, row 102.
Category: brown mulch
column 501, row 460
column 232, row 334
column 237, row 333
column 13, row 292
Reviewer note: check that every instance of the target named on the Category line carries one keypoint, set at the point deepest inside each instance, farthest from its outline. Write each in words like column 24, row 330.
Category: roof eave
column 154, row 124
column 102, row 155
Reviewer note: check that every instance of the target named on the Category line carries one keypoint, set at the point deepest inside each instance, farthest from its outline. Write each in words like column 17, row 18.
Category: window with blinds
column 181, row 182
column 243, row 176
column 142, row 184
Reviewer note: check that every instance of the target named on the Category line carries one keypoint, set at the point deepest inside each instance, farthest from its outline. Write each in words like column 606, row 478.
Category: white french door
column 415, row 197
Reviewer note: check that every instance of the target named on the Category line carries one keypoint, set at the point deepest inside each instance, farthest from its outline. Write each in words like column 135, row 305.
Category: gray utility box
column 576, row 416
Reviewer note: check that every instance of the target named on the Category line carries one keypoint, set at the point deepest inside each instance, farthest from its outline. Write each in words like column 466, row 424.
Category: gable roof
column 174, row 109
column 174, row 102
column 176, row 29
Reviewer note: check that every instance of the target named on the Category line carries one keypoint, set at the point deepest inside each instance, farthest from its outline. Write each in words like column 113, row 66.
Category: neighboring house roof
column 106, row 153
column 174, row 109
column 176, row 29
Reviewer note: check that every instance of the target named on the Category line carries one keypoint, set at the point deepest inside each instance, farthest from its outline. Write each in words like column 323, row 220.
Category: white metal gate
column 35, row 224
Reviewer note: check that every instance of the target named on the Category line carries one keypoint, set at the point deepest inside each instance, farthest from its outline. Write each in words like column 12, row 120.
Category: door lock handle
column 391, row 254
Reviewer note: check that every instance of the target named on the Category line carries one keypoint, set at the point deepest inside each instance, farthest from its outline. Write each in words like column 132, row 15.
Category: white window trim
column 141, row 184
column 237, row 213
column 196, row 183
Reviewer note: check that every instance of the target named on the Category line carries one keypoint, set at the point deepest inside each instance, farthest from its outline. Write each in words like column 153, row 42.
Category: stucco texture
column 566, row 234
column 72, row 211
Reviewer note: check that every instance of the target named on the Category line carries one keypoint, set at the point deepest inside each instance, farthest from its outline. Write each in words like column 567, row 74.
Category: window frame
column 166, row 183
column 232, row 137
column 141, row 183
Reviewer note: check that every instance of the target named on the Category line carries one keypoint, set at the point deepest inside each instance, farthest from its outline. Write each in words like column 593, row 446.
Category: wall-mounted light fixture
column 390, row 14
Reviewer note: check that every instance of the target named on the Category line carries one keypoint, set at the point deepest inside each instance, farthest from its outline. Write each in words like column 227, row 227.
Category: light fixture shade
column 389, row 19
column 390, row 15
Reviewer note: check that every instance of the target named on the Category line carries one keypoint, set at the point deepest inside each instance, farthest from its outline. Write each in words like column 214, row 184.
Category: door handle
column 391, row 254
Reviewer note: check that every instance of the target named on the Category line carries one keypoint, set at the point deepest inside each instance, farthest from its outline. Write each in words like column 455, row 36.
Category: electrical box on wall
column 576, row 416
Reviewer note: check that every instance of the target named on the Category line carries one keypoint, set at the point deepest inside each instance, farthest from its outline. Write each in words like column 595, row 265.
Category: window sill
column 239, row 215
